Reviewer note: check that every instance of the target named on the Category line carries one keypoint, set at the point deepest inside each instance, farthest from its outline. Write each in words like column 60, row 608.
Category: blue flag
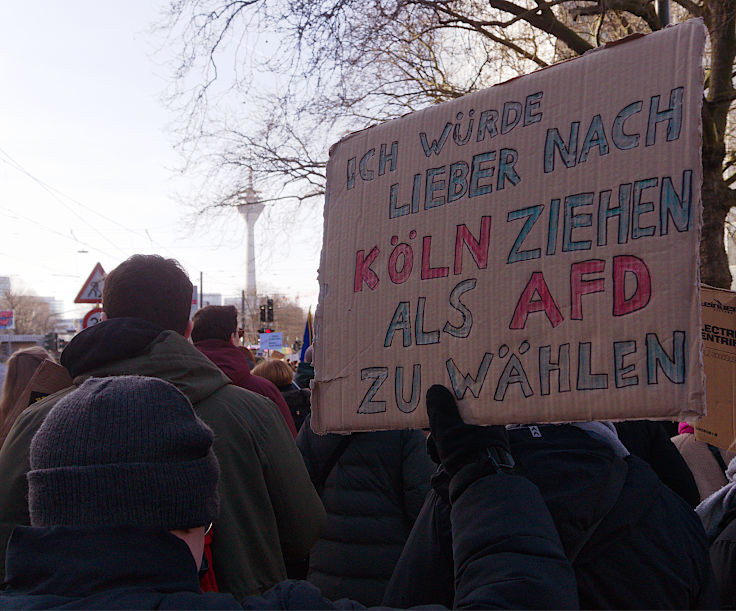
column 308, row 335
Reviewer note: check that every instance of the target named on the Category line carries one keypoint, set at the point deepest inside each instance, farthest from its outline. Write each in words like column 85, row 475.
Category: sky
column 88, row 172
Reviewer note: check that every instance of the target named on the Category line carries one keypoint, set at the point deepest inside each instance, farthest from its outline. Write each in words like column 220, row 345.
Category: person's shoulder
column 394, row 442
column 43, row 406
column 692, row 448
column 240, row 398
column 262, row 386
column 681, row 439
column 233, row 399
column 646, row 501
column 233, row 406
column 30, row 419
column 413, row 437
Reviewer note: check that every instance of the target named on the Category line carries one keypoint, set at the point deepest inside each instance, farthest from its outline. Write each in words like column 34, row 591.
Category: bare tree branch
column 341, row 65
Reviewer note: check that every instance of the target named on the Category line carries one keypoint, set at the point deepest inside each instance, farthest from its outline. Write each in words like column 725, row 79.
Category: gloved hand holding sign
column 459, row 445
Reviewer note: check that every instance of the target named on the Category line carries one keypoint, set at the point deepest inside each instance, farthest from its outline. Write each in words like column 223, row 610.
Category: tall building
column 56, row 306
column 4, row 285
column 250, row 209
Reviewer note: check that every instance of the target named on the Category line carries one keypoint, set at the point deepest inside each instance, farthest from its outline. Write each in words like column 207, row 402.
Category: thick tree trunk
column 717, row 197
column 713, row 261
column 716, row 202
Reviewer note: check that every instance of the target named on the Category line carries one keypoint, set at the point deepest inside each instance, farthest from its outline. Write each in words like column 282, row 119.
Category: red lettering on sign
column 629, row 264
column 363, row 271
column 528, row 303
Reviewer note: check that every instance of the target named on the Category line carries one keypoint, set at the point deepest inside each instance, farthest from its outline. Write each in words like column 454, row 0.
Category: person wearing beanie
column 121, row 467
column 123, row 451
column 264, row 486
column 123, row 482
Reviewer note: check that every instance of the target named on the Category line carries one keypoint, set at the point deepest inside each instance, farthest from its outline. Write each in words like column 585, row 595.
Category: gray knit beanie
column 123, row 451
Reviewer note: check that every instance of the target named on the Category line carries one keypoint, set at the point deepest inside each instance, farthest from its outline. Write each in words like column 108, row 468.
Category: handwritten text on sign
column 532, row 247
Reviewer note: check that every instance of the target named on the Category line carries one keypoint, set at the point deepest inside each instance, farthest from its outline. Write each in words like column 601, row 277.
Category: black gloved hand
column 459, row 444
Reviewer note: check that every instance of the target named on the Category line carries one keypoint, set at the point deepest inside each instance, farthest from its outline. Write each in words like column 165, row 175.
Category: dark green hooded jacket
column 269, row 510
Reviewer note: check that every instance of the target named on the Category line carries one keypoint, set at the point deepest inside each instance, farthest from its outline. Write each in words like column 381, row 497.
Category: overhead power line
column 58, row 195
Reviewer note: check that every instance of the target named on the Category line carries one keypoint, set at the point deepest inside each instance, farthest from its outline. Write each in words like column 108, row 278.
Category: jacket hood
column 107, row 342
column 227, row 357
column 133, row 346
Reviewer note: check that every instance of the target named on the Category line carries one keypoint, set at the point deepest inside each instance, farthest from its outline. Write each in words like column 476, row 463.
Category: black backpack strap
column 616, row 480
column 719, row 458
column 319, row 484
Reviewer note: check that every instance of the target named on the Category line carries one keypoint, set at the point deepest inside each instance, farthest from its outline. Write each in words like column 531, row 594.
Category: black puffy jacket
column 372, row 497
column 508, row 556
column 648, row 552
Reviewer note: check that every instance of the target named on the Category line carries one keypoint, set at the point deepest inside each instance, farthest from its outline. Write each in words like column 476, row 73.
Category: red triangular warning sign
column 92, row 289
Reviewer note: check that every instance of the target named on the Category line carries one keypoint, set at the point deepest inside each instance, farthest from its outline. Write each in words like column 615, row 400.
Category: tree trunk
column 713, row 260
column 717, row 197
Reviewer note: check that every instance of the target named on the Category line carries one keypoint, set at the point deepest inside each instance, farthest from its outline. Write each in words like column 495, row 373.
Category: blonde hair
column 21, row 366
column 275, row 370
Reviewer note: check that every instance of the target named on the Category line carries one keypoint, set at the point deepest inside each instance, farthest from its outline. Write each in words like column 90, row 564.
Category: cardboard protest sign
column 271, row 341
column 533, row 247
column 718, row 427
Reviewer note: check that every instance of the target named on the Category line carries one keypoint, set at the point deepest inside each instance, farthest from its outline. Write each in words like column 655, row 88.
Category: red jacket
column 235, row 366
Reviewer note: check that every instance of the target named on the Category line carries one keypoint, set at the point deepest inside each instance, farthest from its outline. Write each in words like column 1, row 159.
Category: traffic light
column 265, row 330
column 62, row 344
column 49, row 341
column 263, row 313
column 269, row 310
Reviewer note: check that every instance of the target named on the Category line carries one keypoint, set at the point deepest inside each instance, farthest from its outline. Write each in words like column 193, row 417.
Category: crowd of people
column 157, row 465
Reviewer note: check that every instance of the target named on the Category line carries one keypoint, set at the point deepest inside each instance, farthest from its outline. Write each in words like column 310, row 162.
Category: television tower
column 250, row 209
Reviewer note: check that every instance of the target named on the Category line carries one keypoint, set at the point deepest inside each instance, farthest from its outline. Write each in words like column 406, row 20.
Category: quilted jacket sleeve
column 507, row 552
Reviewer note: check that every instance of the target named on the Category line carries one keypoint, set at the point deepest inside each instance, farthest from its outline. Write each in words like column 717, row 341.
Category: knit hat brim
column 123, row 451
column 123, row 494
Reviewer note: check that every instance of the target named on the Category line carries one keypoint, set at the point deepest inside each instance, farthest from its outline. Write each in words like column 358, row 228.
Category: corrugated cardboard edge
column 317, row 350
column 692, row 413
column 317, row 423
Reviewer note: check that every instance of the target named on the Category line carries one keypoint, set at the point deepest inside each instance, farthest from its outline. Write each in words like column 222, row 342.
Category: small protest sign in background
column 271, row 341
column 533, row 247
